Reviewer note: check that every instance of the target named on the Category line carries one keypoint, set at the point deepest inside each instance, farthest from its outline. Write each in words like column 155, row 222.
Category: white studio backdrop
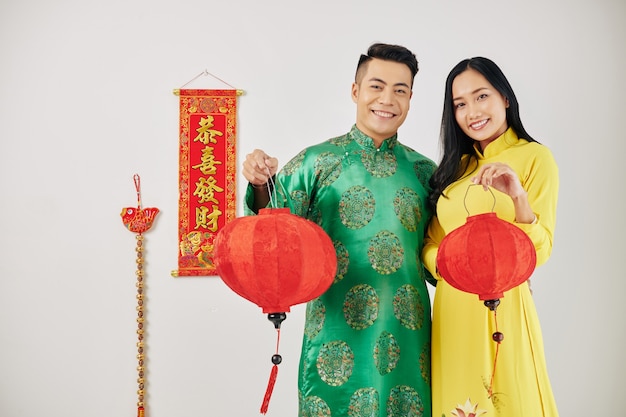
column 86, row 102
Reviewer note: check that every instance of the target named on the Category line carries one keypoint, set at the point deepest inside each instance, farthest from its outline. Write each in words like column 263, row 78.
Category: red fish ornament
column 139, row 220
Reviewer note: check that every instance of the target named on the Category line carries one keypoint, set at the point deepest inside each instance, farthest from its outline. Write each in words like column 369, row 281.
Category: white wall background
column 86, row 102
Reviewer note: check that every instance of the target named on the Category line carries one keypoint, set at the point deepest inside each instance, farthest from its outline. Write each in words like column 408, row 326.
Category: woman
column 484, row 143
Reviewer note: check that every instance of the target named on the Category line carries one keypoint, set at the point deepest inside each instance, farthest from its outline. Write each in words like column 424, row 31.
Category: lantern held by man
column 275, row 260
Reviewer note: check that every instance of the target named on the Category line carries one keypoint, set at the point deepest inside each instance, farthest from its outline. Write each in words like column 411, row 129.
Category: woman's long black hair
column 454, row 142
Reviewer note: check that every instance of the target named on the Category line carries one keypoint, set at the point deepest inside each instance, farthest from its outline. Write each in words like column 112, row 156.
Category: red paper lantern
column 276, row 260
column 486, row 256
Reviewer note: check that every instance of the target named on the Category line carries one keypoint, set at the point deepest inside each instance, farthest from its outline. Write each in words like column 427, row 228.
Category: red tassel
column 497, row 337
column 270, row 388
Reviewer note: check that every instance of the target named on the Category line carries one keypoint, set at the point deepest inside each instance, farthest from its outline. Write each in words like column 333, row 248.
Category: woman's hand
column 501, row 177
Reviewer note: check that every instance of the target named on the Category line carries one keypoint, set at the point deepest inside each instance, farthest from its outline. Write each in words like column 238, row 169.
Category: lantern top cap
column 474, row 217
column 269, row 210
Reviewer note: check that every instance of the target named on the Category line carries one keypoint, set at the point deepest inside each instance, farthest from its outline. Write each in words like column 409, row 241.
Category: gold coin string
column 140, row 220
column 141, row 369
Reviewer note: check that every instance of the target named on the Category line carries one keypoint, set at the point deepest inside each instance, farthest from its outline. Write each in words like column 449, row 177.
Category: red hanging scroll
column 207, row 181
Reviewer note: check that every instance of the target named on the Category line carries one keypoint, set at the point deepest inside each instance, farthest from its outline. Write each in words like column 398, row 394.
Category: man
column 366, row 345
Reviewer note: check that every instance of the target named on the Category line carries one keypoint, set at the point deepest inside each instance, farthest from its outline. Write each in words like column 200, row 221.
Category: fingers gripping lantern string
column 270, row 186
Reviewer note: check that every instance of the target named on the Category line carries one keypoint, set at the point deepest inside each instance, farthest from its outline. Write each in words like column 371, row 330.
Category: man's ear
column 355, row 92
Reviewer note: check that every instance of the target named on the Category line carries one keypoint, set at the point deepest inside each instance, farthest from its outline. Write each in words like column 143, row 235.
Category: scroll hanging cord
column 205, row 73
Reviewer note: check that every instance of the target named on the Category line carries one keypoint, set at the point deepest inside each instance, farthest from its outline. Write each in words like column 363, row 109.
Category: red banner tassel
column 270, row 388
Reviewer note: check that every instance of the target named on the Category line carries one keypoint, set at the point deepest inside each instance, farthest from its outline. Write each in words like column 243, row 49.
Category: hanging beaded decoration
column 139, row 220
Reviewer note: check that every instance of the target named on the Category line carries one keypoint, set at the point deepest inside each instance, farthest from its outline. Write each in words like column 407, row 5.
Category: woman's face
column 479, row 109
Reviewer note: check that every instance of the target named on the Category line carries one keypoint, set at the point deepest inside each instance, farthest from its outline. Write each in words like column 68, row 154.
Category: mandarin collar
column 503, row 142
column 367, row 142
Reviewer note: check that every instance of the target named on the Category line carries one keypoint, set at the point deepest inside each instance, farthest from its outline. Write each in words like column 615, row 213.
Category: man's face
column 382, row 96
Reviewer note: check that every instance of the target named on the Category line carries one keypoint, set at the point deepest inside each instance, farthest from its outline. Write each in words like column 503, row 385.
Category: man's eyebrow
column 383, row 82
column 377, row 80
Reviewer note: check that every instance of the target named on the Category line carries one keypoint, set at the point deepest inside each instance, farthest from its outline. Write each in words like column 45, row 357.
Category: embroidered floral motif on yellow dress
column 468, row 410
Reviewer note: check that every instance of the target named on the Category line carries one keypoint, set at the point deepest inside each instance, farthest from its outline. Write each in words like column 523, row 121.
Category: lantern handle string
column 271, row 190
column 465, row 198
